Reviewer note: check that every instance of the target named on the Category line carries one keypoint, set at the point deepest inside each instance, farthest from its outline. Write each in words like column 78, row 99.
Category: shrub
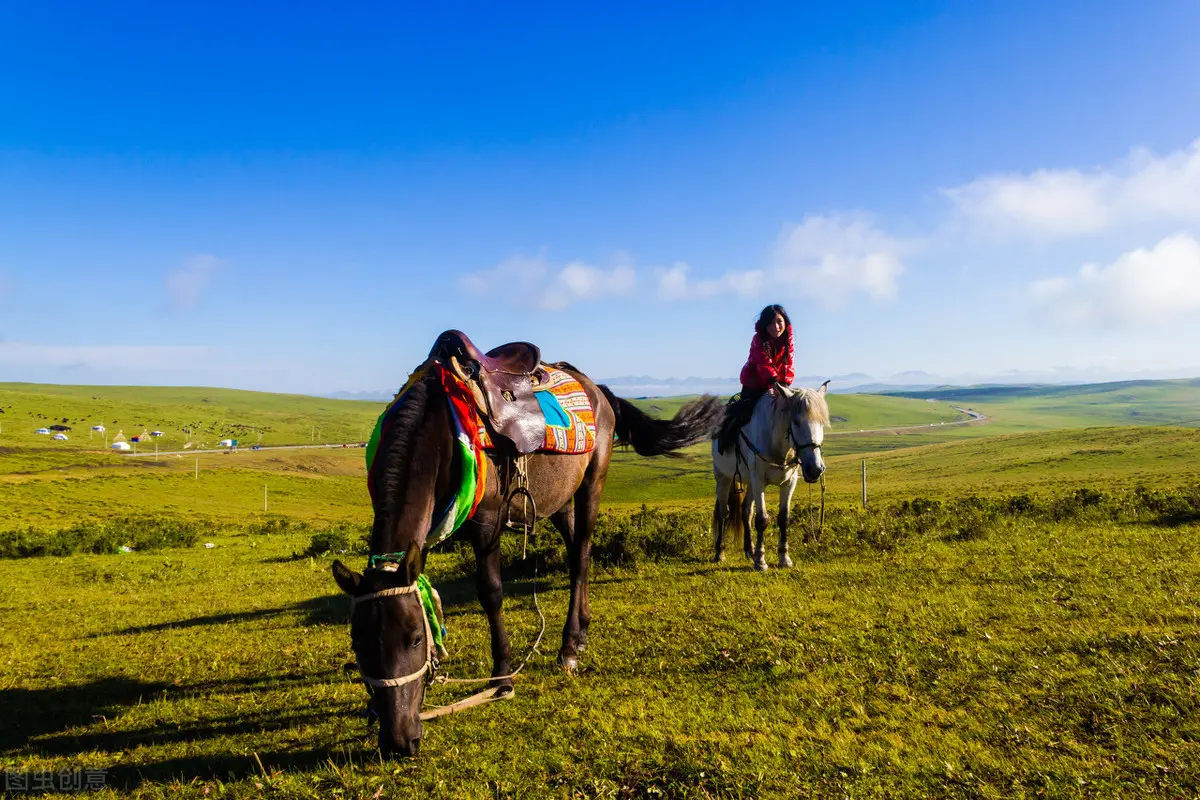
column 336, row 540
column 104, row 536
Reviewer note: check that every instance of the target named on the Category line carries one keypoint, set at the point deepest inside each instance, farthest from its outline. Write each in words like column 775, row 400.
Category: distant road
column 145, row 453
column 975, row 419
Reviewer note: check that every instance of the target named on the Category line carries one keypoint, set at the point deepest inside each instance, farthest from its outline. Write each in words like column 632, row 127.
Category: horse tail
column 648, row 436
column 737, row 493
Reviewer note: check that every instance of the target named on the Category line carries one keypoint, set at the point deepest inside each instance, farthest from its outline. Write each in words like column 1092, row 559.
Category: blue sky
column 300, row 198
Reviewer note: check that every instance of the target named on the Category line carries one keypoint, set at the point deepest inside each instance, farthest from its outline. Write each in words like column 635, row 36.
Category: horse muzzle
column 405, row 748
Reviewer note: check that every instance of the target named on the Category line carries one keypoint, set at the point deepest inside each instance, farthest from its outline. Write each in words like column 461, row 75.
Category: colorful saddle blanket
column 570, row 419
column 570, row 428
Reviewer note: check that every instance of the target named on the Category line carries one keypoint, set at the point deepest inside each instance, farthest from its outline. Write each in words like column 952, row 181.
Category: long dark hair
column 766, row 318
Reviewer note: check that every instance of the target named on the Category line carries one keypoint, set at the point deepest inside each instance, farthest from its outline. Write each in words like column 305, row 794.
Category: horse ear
column 347, row 579
column 412, row 565
column 824, row 386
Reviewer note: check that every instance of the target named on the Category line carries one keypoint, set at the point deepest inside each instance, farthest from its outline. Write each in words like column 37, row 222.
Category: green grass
column 210, row 414
column 1046, row 645
column 1031, row 659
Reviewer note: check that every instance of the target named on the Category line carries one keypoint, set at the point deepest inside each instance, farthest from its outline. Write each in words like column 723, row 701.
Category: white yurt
column 121, row 446
column 60, row 437
column 98, row 428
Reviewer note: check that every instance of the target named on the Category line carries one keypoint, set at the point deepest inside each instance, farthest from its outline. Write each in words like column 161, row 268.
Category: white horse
column 780, row 444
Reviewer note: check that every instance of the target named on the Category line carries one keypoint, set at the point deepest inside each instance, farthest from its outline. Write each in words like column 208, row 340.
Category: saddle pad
column 570, row 418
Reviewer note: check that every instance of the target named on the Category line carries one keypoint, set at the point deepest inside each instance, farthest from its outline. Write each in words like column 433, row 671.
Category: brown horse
column 413, row 475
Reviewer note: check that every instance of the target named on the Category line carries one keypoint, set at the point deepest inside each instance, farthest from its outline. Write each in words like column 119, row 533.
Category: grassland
column 955, row 653
column 209, row 415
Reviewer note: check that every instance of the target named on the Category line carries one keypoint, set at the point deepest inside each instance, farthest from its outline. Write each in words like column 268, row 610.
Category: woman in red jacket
column 770, row 362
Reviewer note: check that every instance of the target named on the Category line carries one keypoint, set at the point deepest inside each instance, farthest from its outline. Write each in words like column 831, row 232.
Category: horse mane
column 811, row 403
column 393, row 461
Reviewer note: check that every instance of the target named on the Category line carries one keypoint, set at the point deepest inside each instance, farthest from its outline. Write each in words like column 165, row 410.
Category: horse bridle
column 429, row 667
column 797, row 446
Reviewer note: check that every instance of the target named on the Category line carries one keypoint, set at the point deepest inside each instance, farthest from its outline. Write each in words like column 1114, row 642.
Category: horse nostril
column 414, row 746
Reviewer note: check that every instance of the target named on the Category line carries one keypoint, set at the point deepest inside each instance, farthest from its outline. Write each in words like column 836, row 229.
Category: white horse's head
column 800, row 418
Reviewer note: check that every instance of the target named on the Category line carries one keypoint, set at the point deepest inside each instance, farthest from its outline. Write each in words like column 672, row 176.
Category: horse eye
column 417, row 642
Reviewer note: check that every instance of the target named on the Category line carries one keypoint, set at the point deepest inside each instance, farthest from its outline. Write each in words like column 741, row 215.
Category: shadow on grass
column 72, row 721
column 333, row 609
column 30, row 713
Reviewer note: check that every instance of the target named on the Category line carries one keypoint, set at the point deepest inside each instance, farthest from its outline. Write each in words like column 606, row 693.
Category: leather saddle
column 502, row 381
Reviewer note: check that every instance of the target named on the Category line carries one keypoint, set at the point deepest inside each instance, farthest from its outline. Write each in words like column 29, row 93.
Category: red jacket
column 768, row 364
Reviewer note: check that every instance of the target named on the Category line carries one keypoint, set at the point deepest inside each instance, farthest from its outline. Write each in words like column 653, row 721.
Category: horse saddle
column 502, row 381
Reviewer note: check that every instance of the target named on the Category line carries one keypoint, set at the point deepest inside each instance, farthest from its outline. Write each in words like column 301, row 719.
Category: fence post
column 864, row 482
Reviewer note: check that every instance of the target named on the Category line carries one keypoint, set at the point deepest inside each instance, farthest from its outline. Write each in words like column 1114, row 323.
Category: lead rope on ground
column 489, row 695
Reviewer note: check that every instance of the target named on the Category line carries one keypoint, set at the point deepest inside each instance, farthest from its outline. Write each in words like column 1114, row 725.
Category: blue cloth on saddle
column 552, row 410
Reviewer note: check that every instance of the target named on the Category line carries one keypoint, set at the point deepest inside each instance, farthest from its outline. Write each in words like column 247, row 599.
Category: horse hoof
column 760, row 564
column 503, row 690
column 718, row 558
column 568, row 663
column 785, row 561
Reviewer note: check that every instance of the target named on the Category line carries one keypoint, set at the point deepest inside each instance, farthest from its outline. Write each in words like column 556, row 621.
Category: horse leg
column 720, row 512
column 564, row 522
column 745, row 511
column 760, row 526
column 491, row 597
column 785, row 507
column 579, row 556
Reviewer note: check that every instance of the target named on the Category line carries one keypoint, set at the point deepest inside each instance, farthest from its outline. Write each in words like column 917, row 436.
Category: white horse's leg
column 786, row 489
column 758, row 491
column 720, row 513
column 745, row 511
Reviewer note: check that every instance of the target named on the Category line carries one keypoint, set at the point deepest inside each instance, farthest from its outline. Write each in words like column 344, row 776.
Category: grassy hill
column 48, row 483
column 962, row 651
column 210, row 415
column 1174, row 402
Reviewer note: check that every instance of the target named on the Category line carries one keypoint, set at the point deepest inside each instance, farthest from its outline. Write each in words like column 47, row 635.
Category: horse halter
column 430, row 666
column 797, row 446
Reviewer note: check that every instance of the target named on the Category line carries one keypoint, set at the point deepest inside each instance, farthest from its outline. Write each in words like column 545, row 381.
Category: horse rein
column 430, row 665
column 795, row 446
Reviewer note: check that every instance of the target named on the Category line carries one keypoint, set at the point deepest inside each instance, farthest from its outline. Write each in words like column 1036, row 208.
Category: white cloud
column 1071, row 202
column 114, row 357
column 829, row 257
column 1142, row 287
column 521, row 280
column 674, row 283
column 826, row 257
column 186, row 285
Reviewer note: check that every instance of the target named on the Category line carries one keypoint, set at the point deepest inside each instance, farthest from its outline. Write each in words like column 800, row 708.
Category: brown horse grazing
column 414, row 475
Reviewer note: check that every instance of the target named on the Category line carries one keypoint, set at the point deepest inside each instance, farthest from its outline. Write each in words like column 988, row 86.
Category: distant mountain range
column 851, row 382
